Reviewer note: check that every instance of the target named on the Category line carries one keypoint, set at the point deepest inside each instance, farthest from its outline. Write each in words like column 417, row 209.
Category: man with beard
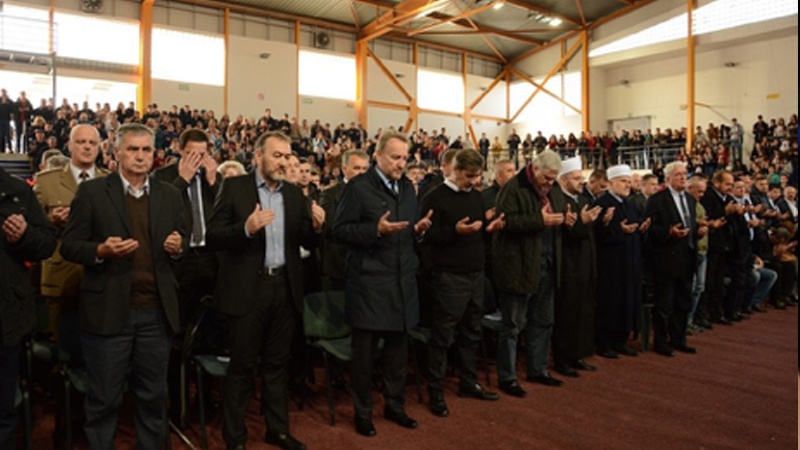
column 573, row 330
column 257, row 226
column 619, row 265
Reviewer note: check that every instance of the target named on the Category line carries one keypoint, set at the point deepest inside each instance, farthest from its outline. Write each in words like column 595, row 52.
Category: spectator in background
column 231, row 169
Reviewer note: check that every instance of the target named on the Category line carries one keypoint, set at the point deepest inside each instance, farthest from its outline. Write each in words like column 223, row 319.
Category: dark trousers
column 673, row 301
column 5, row 136
column 9, row 371
column 457, row 311
column 394, row 358
column 265, row 332
column 734, row 300
column 715, row 284
column 139, row 354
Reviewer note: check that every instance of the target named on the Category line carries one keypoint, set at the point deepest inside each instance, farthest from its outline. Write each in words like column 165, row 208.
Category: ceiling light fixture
column 498, row 5
column 555, row 21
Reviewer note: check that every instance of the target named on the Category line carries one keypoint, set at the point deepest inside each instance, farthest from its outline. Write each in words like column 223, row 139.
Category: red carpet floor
column 738, row 392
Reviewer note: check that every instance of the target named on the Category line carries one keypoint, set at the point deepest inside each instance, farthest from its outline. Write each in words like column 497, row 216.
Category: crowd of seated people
column 738, row 223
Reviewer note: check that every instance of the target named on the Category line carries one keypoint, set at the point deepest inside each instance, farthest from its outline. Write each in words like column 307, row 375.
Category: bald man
column 55, row 190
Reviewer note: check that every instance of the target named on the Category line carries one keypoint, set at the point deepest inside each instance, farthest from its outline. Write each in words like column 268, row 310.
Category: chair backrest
column 323, row 315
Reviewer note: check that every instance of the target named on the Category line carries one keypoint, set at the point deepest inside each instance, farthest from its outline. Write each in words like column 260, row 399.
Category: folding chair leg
column 329, row 388
column 202, row 408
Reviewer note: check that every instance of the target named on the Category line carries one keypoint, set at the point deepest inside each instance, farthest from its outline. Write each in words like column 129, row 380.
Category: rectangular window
column 327, row 75
column 440, row 91
column 188, row 57
column 24, row 29
column 96, row 39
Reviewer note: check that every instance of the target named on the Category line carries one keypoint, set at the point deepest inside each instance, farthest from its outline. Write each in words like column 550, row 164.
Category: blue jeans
column 764, row 279
column 698, row 284
column 535, row 315
column 139, row 354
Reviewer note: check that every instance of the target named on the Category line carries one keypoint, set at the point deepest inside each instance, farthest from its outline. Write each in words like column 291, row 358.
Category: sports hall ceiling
column 500, row 29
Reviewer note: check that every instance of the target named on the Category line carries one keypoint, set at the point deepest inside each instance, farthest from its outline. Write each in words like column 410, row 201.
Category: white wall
column 255, row 84
column 764, row 81
column 200, row 96
column 329, row 110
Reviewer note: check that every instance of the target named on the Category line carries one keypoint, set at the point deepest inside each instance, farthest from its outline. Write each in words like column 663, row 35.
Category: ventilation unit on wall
column 322, row 39
column 92, row 6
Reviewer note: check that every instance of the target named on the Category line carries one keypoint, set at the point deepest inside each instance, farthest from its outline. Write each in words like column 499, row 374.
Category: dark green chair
column 215, row 366
column 326, row 330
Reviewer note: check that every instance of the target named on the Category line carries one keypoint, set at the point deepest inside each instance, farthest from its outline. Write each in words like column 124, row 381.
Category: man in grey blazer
column 127, row 229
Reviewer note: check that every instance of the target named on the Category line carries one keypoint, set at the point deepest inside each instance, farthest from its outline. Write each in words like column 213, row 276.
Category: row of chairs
column 325, row 330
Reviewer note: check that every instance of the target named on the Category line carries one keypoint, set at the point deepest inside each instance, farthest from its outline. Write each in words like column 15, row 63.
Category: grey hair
column 135, row 129
column 357, row 153
column 672, row 166
column 547, row 159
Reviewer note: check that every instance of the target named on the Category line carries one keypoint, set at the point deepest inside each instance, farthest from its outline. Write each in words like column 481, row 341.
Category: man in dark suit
column 671, row 248
column 354, row 163
column 720, row 209
column 26, row 236
column 126, row 230
column 595, row 186
column 257, row 226
column 195, row 176
column 381, row 289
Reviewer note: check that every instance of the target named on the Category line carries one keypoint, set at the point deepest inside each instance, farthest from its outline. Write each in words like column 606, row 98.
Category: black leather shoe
column 365, row 427
column 400, row 418
column 512, row 388
column 583, row 365
column 733, row 317
column 566, row 370
column 624, row 349
column 438, row 407
column 235, row 447
column 683, row 348
column 705, row 323
column 758, row 308
column 285, row 441
column 545, row 379
column 724, row 321
column 607, row 353
column 664, row 351
column 779, row 304
column 477, row 391
column 746, row 310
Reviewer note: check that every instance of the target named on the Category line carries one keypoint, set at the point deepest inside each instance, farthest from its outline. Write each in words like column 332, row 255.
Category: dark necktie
column 83, row 176
column 393, row 185
column 685, row 211
column 687, row 220
column 197, row 217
